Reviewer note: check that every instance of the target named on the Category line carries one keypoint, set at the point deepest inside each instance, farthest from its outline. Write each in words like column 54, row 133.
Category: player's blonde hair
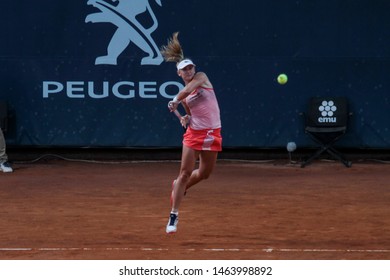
column 173, row 51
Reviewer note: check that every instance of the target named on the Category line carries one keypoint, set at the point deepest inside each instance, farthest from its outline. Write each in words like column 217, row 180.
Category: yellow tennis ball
column 282, row 79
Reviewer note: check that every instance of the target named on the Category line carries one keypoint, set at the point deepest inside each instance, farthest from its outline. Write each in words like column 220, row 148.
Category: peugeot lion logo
column 123, row 15
column 327, row 110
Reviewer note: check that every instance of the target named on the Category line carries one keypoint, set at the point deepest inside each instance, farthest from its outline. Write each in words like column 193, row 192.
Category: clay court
column 59, row 209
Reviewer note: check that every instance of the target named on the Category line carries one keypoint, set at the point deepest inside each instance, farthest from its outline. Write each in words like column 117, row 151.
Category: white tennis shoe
column 6, row 167
column 172, row 223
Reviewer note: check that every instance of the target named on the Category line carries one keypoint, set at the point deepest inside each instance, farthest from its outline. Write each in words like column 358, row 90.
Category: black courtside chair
column 326, row 122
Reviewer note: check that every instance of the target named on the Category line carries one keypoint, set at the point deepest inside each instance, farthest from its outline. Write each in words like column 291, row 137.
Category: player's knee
column 185, row 175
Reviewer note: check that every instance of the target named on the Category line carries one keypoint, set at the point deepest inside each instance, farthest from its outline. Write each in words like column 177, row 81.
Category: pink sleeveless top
column 204, row 109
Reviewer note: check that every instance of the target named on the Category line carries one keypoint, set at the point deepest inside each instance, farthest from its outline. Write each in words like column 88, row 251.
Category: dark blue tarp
column 60, row 94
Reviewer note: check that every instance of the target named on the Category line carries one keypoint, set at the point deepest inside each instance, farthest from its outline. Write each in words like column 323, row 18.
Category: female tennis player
column 202, row 140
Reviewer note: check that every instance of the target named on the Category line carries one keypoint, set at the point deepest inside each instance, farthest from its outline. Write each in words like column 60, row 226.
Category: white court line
column 16, row 249
column 266, row 250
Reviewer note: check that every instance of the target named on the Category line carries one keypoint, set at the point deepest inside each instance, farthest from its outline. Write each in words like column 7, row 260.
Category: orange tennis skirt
column 203, row 140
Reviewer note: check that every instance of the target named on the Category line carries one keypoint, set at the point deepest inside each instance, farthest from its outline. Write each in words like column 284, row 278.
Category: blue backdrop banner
column 90, row 74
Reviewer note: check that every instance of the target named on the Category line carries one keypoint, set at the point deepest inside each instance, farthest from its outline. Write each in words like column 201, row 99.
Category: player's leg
column 4, row 165
column 207, row 160
column 188, row 161
column 3, row 154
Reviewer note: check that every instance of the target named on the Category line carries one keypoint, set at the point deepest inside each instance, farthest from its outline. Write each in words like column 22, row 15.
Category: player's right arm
column 200, row 80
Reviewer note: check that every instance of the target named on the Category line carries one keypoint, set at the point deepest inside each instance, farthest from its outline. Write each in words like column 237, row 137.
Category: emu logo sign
column 327, row 110
column 130, row 30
